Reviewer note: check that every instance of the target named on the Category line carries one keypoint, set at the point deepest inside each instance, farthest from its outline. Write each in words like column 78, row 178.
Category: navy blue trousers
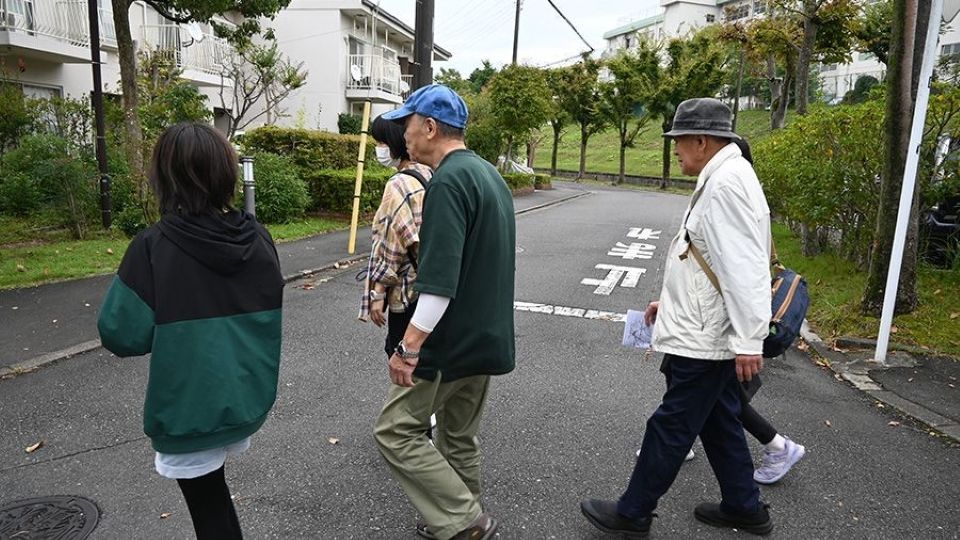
column 703, row 398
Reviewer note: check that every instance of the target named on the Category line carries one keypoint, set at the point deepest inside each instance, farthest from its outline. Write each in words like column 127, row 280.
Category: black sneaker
column 758, row 522
column 604, row 516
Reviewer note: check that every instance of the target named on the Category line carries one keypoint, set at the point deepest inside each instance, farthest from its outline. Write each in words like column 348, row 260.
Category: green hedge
column 519, row 181
column 281, row 195
column 332, row 190
column 542, row 181
column 310, row 150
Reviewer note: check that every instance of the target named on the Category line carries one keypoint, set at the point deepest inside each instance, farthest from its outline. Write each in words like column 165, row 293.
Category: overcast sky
column 474, row 30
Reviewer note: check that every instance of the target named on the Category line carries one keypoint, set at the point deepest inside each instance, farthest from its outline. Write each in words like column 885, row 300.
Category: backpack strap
column 415, row 174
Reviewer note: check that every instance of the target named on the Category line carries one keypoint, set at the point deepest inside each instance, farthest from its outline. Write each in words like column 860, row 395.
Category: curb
column 856, row 372
column 38, row 362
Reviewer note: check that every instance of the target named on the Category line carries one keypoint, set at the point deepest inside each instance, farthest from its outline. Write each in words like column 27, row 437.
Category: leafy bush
column 542, row 181
column 65, row 177
column 19, row 194
column 332, row 190
column 349, row 124
column 519, row 181
column 130, row 220
column 483, row 135
column 71, row 119
column 16, row 118
column 280, row 193
column 310, row 150
column 823, row 171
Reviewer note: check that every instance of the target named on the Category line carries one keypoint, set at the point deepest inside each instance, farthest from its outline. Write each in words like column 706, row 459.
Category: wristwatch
column 405, row 353
column 374, row 295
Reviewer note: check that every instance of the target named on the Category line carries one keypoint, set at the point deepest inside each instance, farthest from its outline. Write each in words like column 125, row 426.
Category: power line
column 555, row 8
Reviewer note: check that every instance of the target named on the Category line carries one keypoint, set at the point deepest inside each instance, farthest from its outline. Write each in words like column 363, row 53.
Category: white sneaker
column 690, row 455
column 777, row 464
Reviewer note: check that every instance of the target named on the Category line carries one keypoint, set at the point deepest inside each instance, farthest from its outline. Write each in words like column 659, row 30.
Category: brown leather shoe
column 482, row 528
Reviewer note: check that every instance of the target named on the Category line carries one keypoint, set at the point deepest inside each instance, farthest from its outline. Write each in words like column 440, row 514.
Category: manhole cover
column 62, row 517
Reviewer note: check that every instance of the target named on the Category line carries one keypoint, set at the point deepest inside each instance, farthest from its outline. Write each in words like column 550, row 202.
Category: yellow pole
column 361, row 154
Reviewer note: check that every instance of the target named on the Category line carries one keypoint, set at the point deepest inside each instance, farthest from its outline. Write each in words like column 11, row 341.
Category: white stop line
column 564, row 311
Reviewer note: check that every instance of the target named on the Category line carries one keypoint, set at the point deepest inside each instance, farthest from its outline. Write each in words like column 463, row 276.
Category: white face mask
column 383, row 156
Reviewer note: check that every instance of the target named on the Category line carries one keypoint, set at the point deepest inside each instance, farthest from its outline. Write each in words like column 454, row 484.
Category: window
column 950, row 48
column 40, row 92
column 759, row 7
column 828, row 67
column 711, row 18
column 740, row 11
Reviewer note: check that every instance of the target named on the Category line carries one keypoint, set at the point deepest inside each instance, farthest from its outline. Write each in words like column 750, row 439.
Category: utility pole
column 423, row 44
column 516, row 32
column 97, row 99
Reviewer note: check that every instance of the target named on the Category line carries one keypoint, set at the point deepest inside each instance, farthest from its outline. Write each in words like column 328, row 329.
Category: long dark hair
column 391, row 134
column 194, row 170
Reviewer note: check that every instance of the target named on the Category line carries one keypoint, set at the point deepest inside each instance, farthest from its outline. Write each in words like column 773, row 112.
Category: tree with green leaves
column 480, row 76
column 559, row 118
column 521, row 103
column 696, row 67
column 255, row 80
column 581, row 101
column 635, row 74
column 175, row 11
column 828, row 32
column 910, row 19
column 876, row 26
column 451, row 78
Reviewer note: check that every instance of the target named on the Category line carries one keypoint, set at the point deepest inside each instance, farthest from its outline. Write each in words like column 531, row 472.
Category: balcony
column 201, row 60
column 52, row 30
column 374, row 77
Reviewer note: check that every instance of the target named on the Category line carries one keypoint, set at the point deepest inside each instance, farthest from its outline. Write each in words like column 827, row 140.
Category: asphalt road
column 561, row 428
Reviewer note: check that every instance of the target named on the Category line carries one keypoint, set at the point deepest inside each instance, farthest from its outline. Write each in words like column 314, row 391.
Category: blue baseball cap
column 436, row 101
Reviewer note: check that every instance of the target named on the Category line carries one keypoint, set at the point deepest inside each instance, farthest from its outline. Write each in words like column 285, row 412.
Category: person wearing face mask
column 392, row 269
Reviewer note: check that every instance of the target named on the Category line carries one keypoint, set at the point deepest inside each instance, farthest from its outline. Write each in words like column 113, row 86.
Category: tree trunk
column 665, row 178
column 736, row 97
column 810, row 27
column 133, row 140
column 584, row 135
column 779, row 113
column 531, row 153
column 556, row 144
column 898, row 120
column 776, row 86
column 509, row 154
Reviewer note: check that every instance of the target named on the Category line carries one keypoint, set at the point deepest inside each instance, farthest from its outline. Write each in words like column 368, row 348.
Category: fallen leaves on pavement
column 33, row 447
column 165, row 515
column 333, row 440
column 893, row 423
column 827, row 422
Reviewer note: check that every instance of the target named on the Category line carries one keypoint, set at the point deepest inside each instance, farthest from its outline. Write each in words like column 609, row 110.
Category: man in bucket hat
column 462, row 329
column 712, row 339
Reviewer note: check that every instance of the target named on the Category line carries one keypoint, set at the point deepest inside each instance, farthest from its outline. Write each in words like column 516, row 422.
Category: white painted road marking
column 564, row 311
column 630, row 275
column 642, row 233
column 633, row 251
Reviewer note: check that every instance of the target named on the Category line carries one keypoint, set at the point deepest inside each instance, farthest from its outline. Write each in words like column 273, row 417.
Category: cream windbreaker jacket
column 730, row 225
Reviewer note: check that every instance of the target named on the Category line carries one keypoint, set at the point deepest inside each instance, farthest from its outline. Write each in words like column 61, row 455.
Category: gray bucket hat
column 703, row 116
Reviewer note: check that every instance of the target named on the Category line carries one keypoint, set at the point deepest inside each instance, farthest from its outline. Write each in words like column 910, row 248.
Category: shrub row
column 332, row 190
column 310, row 150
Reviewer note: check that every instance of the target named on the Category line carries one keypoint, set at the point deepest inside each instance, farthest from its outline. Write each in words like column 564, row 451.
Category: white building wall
column 681, row 18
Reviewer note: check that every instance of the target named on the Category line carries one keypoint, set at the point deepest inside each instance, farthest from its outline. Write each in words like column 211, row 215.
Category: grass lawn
column 645, row 158
column 32, row 253
column 836, row 287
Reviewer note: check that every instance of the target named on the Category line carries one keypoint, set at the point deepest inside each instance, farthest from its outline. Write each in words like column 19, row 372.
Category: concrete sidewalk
column 47, row 323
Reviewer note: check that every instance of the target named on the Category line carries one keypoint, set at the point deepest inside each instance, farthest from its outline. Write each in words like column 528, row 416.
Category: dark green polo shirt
column 468, row 254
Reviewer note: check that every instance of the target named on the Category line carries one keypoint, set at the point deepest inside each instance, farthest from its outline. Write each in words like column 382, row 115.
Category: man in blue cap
column 461, row 332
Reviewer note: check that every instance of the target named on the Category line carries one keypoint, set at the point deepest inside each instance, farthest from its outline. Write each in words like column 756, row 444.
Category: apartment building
column 352, row 51
column 680, row 17
column 45, row 48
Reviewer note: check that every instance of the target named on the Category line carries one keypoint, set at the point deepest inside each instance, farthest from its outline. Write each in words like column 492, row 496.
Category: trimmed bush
column 310, row 150
column 349, row 124
column 542, row 181
column 332, row 190
column 280, row 193
column 519, row 183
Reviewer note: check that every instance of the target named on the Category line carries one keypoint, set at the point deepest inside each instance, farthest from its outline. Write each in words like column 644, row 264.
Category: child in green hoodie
column 201, row 291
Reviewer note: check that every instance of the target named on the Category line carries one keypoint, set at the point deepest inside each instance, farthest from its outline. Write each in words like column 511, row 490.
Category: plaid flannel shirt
column 396, row 240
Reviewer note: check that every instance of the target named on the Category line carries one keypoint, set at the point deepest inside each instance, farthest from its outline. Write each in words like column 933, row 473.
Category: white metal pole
column 909, row 181
column 249, row 193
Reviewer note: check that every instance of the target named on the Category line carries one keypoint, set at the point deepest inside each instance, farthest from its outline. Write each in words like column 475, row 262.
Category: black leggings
column 211, row 509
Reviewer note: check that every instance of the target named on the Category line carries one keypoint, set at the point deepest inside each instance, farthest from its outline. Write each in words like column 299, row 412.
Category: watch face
column 400, row 350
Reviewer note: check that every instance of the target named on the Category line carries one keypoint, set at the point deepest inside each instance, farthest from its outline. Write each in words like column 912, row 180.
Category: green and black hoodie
column 204, row 295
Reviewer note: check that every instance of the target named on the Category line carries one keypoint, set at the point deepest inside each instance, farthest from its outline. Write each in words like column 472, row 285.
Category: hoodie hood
column 221, row 242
